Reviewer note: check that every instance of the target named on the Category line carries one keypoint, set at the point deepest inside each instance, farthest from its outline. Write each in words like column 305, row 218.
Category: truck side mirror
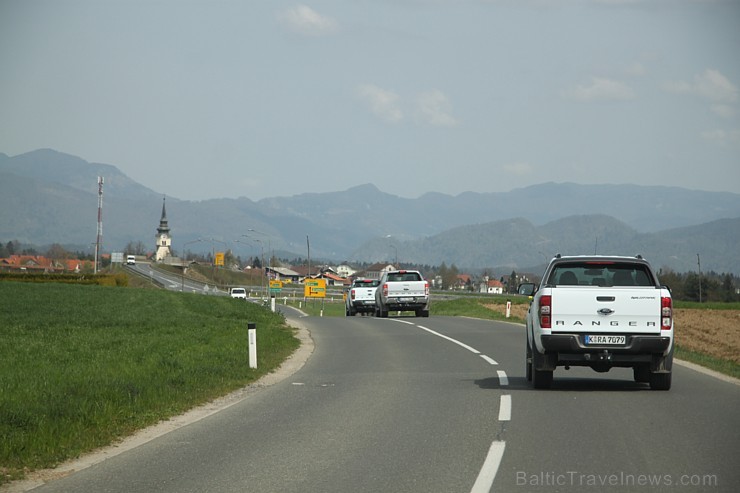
column 526, row 289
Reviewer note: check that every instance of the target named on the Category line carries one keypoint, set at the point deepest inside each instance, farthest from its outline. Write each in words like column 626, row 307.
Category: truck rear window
column 366, row 283
column 404, row 276
column 600, row 274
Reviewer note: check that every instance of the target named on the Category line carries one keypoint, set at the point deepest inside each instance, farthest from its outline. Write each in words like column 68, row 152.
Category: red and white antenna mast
column 99, row 238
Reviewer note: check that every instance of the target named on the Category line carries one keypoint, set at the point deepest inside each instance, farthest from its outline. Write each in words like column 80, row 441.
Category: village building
column 374, row 271
column 39, row 263
column 492, row 286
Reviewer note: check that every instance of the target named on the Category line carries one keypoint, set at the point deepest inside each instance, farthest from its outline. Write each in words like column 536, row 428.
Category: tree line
column 685, row 286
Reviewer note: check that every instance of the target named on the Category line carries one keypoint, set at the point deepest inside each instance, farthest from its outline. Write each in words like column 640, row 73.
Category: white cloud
column 304, row 20
column 721, row 136
column 637, row 69
column 710, row 85
column 723, row 110
column 519, row 169
column 601, row 89
column 714, row 86
column 383, row 103
column 677, row 87
column 618, row 2
column 433, row 108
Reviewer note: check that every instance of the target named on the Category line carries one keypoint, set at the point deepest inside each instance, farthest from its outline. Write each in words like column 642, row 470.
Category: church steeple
column 163, row 226
column 164, row 241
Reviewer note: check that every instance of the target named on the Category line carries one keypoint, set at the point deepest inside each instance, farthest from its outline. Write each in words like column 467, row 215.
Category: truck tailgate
column 364, row 294
column 634, row 310
column 406, row 289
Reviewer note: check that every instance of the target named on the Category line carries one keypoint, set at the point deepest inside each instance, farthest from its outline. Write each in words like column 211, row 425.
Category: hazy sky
column 209, row 99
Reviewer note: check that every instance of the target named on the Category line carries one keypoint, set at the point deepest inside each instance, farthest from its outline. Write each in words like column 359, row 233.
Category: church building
column 164, row 241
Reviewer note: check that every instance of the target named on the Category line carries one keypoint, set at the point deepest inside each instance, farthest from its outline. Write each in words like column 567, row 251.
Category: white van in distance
column 238, row 293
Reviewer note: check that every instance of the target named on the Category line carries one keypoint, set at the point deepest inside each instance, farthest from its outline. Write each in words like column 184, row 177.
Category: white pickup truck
column 361, row 297
column 601, row 312
column 402, row 290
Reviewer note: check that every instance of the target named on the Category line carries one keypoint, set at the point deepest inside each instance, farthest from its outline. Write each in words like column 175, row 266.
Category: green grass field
column 83, row 365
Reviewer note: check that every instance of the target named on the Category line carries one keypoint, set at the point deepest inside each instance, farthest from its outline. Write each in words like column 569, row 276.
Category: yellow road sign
column 315, row 288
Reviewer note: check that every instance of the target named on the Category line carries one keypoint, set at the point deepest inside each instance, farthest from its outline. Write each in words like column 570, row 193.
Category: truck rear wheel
column 528, row 362
column 641, row 373
column 660, row 381
column 541, row 379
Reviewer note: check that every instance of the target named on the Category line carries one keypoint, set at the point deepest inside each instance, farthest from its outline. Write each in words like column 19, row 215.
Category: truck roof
column 600, row 257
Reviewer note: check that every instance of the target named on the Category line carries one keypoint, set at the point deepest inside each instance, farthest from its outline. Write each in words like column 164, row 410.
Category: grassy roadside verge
column 82, row 366
column 726, row 367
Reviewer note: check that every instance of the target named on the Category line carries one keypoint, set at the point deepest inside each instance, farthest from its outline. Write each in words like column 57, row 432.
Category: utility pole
column 698, row 261
column 99, row 237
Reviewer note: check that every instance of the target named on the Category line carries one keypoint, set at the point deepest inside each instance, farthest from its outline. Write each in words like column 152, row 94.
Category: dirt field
column 712, row 332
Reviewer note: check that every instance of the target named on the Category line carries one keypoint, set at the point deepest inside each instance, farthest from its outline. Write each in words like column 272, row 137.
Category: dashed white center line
column 504, row 409
column 461, row 344
column 502, row 378
column 489, row 359
column 490, row 467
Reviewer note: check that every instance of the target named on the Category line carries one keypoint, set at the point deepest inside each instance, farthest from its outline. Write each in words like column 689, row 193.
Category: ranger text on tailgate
column 601, row 312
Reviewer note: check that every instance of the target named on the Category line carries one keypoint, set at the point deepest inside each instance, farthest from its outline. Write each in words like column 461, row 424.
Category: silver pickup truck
column 402, row 290
column 601, row 312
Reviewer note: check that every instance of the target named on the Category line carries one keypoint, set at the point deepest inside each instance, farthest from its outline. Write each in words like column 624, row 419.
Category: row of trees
column 54, row 251
column 709, row 286
column 688, row 286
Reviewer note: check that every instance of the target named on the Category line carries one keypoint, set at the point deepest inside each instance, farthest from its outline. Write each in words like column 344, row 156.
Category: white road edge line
column 489, row 359
column 490, row 467
column 502, row 378
column 472, row 350
column 504, row 409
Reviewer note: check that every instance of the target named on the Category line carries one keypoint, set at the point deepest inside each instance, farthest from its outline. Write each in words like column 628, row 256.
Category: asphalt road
column 172, row 281
column 440, row 405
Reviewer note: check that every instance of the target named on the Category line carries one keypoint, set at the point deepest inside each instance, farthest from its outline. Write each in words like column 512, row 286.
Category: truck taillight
column 385, row 290
column 352, row 294
column 426, row 289
column 666, row 313
column 545, row 311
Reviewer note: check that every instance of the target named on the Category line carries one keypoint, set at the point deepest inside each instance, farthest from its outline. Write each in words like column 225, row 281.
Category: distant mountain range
column 51, row 197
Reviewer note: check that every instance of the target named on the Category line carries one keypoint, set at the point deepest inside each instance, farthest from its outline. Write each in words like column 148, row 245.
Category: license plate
column 406, row 300
column 602, row 339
